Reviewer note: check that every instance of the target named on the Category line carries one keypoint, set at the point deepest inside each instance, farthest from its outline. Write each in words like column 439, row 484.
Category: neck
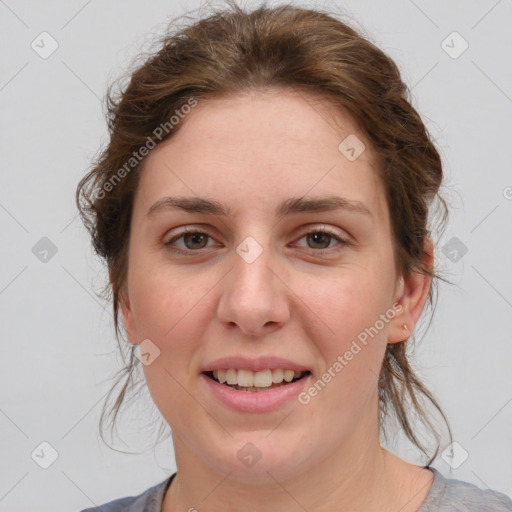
column 358, row 476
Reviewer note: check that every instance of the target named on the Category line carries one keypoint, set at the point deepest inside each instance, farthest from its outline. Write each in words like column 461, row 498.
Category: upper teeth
column 248, row 378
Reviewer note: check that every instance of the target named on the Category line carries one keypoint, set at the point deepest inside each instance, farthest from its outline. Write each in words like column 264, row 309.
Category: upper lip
column 254, row 364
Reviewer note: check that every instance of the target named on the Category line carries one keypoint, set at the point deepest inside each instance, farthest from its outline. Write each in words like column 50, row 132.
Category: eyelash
column 342, row 241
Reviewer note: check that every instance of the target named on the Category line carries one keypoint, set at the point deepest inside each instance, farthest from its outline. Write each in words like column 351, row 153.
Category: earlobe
column 411, row 296
column 127, row 316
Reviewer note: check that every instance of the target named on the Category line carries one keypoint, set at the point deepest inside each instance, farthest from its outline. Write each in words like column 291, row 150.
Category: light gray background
column 58, row 348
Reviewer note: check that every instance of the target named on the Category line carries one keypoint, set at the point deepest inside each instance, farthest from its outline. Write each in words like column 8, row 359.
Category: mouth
column 254, row 382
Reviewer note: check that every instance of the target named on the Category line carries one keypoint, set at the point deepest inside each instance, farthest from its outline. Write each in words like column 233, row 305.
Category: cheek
column 161, row 297
column 350, row 302
column 353, row 338
column 172, row 315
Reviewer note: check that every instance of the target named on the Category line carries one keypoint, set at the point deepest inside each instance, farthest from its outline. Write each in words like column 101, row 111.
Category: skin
column 251, row 152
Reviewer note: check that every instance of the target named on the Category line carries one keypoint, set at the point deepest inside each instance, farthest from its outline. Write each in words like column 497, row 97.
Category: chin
column 255, row 458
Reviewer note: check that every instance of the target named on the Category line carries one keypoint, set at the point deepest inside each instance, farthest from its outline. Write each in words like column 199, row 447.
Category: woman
column 262, row 207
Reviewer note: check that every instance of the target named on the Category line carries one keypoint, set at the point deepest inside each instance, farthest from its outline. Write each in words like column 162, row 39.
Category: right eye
column 192, row 238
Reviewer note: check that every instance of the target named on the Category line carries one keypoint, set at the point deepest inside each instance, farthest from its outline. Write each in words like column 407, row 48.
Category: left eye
column 320, row 237
column 194, row 240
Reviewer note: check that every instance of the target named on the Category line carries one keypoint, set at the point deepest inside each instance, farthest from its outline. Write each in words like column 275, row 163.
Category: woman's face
column 258, row 285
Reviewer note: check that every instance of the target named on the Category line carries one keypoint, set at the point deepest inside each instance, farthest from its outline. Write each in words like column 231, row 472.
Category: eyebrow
column 289, row 206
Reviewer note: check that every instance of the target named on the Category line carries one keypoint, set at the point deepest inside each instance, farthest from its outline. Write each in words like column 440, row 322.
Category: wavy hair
column 232, row 51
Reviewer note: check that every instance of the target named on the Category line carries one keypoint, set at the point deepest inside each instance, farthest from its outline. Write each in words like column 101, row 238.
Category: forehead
column 261, row 148
column 280, row 121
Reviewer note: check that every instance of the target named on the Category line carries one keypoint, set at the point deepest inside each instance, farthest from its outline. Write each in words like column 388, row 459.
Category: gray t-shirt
column 446, row 495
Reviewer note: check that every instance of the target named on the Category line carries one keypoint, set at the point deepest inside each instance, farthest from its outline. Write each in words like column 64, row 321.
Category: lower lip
column 257, row 401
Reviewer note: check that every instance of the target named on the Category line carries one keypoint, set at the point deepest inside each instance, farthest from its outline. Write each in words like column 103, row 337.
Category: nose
column 254, row 297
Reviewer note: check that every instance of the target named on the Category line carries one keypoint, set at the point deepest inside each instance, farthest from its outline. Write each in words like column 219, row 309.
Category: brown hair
column 234, row 51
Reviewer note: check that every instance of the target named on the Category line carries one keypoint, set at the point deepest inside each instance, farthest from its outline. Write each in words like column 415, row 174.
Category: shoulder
column 451, row 495
column 148, row 501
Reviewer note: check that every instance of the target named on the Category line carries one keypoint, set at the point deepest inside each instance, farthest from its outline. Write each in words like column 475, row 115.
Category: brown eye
column 189, row 241
column 194, row 240
column 319, row 239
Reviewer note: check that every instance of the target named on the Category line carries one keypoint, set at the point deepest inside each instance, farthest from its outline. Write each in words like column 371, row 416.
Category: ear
column 127, row 314
column 411, row 294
